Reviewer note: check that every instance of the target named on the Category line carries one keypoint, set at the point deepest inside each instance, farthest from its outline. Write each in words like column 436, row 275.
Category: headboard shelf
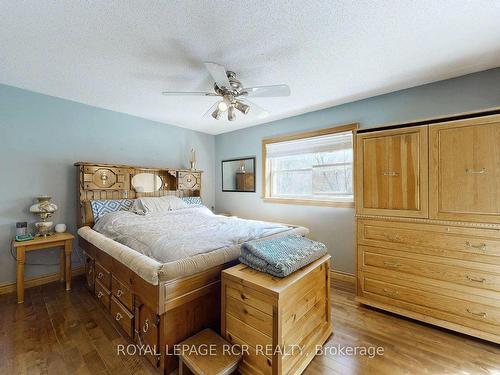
column 98, row 181
column 103, row 165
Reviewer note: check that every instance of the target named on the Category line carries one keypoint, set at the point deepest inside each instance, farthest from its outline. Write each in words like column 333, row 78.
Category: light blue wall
column 42, row 136
column 335, row 226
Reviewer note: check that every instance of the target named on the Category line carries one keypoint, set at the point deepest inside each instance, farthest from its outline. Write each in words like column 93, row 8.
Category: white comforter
column 173, row 235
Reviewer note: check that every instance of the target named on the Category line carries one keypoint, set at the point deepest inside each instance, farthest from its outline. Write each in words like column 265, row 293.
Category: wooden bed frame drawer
column 89, row 272
column 146, row 327
column 122, row 293
column 432, row 303
column 473, row 244
column 124, row 317
column 102, row 275
column 472, row 274
column 102, row 294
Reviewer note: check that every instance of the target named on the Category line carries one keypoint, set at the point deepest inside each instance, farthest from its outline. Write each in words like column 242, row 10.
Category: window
column 313, row 167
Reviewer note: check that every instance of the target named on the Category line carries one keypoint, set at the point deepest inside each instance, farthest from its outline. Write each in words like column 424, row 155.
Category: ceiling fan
column 233, row 94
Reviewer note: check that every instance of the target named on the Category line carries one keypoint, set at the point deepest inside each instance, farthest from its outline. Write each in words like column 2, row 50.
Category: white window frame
column 267, row 178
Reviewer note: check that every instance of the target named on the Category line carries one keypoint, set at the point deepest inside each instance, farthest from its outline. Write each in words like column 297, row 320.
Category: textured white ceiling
column 120, row 55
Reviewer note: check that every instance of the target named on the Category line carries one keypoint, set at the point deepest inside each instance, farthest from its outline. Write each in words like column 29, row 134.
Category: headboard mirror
column 147, row 182
column 238, row 175
column 109, row 181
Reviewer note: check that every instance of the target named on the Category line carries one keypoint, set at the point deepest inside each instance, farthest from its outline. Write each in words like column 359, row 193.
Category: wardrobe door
column 465, row 170
column 391, row 173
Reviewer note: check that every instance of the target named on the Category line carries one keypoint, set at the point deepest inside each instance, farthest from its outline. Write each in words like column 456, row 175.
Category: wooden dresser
column 428, row 223
column 272, row 317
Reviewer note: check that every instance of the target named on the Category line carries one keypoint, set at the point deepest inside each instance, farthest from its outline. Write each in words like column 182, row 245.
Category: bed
column 159, row 275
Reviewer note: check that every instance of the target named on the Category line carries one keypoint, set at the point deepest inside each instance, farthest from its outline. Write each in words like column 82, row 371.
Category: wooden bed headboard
column 109, row 181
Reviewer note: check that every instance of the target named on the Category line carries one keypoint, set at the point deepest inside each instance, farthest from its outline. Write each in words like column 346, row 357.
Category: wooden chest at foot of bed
column 278, row 323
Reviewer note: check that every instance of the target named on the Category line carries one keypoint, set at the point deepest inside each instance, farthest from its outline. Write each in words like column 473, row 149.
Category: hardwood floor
column 55, row 332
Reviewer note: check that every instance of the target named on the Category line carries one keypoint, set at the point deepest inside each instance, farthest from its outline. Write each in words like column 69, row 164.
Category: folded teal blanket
column 281, row 256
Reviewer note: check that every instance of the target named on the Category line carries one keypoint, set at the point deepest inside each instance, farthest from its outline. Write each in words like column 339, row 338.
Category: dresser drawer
column 250, row 315
column 380, row 261
column 432, row 303
column 102, row 294
column 121, row 315
column 103, row 275
column 121, row 292
column 478, row 245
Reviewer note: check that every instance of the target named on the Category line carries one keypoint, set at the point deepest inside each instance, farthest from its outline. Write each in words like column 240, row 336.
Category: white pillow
column 158, row 204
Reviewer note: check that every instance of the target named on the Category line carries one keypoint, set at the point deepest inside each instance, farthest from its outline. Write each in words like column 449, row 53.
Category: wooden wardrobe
column 428, row 223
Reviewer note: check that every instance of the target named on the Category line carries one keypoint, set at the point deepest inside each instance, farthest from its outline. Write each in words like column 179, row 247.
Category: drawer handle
column 477, row 280
column 473, row 171
column 481, row 314
column 391, row 293
column 90, row 271
column 118, row 316
column 392, row 264
column 100, row 275
column 243, row 297
column 99, row 295
column 391, row 174
column 119, row 293
column 394, row 238
column 145, row 326
column 479, row 247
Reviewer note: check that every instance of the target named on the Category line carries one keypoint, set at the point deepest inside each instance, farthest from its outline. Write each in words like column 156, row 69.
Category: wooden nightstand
column 61, row 240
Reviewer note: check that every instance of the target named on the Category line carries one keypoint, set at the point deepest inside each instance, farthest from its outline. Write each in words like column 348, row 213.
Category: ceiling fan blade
column 218, row 73
column 255, row 110
column 267, row 91
column 188, row 93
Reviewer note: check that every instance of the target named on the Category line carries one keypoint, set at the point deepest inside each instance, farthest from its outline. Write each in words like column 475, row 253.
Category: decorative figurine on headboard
column 192, row 162
column 45, row 209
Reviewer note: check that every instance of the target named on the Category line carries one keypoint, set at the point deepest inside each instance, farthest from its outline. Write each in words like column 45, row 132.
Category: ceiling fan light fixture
column 231, row 115
column 243, row 108
column 228, row 88
column 217, row 113
column 222, row 106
